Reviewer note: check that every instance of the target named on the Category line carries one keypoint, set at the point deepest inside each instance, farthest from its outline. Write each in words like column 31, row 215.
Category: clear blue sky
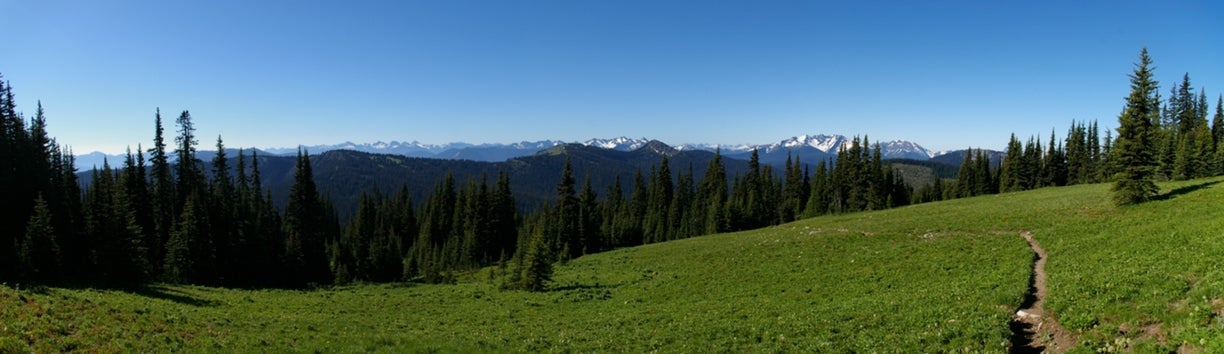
column 281, row 73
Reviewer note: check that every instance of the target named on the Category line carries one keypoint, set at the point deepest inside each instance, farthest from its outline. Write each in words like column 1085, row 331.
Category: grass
column 938, row 277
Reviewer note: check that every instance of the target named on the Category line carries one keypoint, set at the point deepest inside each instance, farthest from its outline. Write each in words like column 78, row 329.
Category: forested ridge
column 196, row 222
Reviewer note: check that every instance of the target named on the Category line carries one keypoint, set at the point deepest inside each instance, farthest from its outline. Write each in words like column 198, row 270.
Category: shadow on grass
column 1185, row 190
column 574, row 286
column 171, row 294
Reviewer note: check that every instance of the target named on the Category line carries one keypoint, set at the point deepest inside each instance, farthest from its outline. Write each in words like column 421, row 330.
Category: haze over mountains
column 807, row 147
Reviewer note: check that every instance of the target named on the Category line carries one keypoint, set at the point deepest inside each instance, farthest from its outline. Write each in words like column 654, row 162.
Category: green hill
column 937, row 277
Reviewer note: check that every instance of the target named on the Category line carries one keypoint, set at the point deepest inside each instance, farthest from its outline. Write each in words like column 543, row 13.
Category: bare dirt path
column 1032, row 330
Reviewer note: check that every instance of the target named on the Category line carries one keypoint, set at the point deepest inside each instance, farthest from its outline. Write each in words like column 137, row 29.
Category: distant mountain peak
column 658, row 147
column 824, row 143
column 620, row 143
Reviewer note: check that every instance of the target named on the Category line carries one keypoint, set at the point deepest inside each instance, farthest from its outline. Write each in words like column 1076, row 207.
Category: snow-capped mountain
column 806, row 147
column 825, row 143
column 817, row 146
column 619, row 144
column 900, row 149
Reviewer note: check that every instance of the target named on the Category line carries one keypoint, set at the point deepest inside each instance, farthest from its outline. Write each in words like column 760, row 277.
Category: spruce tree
column 185, row 260
column 190, row 179
column 589, row 218
column 40, row 254
column 136, row 185
column 536, row 270
column 565, row 222
column 305, row 226
column 818, row 199
column 1133, row 148
column 164, row 207
column 1217, row 122
column 712, row 196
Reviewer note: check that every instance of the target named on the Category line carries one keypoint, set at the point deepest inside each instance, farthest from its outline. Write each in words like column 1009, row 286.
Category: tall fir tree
column 565, row 220
column 305, row 256
column 161, row 185
column 711, row 196
column 1133, row 148
column 40, row 254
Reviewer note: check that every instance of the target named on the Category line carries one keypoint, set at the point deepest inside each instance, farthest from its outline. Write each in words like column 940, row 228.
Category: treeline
column 196, row 222
column 662, row 208
column 1082, row 157
column 1179, row 143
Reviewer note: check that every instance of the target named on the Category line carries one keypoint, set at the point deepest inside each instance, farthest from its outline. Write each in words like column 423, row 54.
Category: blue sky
column 281, row 73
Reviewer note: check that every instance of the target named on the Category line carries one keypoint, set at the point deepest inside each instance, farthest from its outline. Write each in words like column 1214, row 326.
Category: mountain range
column 344, row 173
column 809, row 148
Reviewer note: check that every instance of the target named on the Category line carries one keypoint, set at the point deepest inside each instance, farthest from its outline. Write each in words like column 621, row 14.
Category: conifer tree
column 711, row 199
column 164, row 207
column 818, row 199
column 536, row 270
column 503, row 218
column 656, row 225
column 225, row 216
column 1132, row 151
column 611, row 210
column 190, row 179
column 112, row 233
column 40, row 254
column 565, row 222
column 678, row 209
column 136, row 185
column 306, row 259
column 187, row 257
column 1011, row 170
column 1217, row 122
column 589, row 218
column 964, row 176
column 1054, row 165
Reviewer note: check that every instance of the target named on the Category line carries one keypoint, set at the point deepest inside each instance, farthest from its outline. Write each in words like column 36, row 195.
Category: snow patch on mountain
column 619, row 144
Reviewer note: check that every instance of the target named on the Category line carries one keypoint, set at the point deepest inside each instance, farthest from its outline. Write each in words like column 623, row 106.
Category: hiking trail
column 1032, row 330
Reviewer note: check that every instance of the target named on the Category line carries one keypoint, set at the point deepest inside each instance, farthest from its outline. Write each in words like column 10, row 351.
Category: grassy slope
column 937, row 277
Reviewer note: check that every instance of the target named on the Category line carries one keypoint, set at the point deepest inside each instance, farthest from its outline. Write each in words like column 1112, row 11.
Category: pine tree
column 611, row 210
column 565, row 221
column 1132, row 151
column 190, row 179
column 1012, row 168
column 711, row 196
column 818, row 199
column 112, row 233
column 40, row 254
column 164, row 207
column 536, row 270
column 589, row 218
column 656, row 224
column 1217, row 122
column 503, row 217
column 136, row 185
column 1054, row 165
column 305, row 229
column 186, row 256
column 225, row 217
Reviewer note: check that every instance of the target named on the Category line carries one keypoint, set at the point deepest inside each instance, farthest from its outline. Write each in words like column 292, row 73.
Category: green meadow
column 938, row 277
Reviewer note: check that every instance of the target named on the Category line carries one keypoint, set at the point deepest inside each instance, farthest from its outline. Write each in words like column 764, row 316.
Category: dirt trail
column 1032, row 330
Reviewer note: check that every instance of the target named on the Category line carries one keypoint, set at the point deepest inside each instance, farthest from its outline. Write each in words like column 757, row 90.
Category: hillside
column 935, row 277
column 345, row 174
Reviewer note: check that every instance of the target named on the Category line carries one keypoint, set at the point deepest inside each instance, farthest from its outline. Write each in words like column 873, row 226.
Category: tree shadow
column 171, row 294
column 576, row 286
column 1185, row 190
